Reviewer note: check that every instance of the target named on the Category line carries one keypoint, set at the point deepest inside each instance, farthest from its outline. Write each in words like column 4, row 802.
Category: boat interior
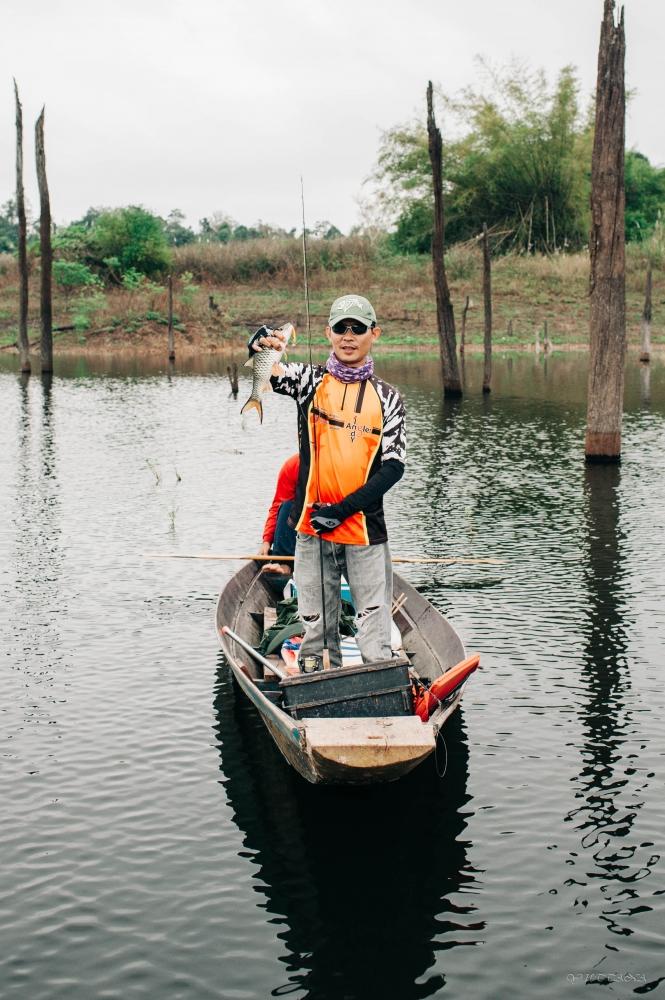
column 423, row 639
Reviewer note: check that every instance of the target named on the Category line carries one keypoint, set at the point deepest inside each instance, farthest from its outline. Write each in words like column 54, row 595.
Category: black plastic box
column 372, row 690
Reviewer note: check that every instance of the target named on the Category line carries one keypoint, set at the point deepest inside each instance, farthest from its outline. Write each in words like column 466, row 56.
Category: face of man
column 350, row 346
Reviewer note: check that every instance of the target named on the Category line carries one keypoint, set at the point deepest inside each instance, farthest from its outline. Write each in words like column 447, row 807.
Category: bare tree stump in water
column 171, row 343
column 232, row 372
column 645, row 352
column 23, row 342
column 452, row 384
column 462, row 340
column 607, row 319
column 645, row 385
column 46, row 250
column 547, row 343
column 487, row 298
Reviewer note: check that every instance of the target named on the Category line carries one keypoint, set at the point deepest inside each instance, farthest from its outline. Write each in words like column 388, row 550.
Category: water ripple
column 153, row 841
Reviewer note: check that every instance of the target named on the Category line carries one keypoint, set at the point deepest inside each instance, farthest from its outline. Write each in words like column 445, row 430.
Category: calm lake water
column 152, row 841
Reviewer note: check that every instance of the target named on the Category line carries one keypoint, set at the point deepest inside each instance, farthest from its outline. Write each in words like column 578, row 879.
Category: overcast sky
column 220, row 105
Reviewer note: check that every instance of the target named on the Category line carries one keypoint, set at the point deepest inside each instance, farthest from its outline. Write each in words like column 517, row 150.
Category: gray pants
column 368, row 570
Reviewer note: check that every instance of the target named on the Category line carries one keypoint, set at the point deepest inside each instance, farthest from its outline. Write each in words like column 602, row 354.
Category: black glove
column 326, row 517
column 262, row 331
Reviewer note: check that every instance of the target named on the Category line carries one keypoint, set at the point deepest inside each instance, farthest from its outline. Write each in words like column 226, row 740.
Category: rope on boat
column 439, row 735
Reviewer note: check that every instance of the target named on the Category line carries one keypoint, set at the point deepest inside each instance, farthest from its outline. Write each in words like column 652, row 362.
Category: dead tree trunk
column 462, row 339
column 452, row 384
column 645, row 352
column 46, row 250
column 23, row 342
column 232, row 372
column 171, row 343
column 487, row 297
column 645, row 385
column 553, row 231
column 607, row 318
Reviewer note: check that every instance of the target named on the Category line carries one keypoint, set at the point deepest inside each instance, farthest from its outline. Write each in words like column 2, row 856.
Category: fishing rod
column 326, row 651
column 255, row 557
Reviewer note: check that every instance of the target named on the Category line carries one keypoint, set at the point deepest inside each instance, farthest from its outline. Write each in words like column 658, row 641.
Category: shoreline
column 532, row 298
column 151, row 348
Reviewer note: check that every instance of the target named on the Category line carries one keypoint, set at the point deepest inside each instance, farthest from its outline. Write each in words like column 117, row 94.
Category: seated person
column 279, row 538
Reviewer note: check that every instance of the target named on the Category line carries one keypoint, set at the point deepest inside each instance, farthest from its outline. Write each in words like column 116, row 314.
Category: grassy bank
column 222, row 291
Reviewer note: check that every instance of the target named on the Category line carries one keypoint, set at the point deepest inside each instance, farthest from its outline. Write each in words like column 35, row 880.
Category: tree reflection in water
column 611, row 786
column 39, row 557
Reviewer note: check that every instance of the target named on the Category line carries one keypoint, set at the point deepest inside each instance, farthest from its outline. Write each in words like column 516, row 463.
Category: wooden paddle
column 396, row 559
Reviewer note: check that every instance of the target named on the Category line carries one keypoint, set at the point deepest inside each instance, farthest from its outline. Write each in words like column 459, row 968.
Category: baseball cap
column 352, row 307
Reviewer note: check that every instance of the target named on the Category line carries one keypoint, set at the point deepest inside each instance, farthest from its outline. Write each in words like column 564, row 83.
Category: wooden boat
column 343, row 750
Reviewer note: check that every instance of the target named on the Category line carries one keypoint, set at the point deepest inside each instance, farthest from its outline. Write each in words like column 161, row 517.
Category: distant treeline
column 127, row 247
column 516, row 156
column 217, row 228
column 121, row 245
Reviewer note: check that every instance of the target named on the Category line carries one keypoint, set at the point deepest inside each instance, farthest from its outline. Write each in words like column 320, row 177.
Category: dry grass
column 230, row 263
column 215, row 306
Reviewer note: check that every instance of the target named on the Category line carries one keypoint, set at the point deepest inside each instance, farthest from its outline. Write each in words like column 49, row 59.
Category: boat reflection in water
column 367, row 884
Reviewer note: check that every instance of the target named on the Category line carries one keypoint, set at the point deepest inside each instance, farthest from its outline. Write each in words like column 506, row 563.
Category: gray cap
column 352, row 307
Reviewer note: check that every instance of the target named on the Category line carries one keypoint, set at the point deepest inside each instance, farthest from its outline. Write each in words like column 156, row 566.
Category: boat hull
column 351, row 751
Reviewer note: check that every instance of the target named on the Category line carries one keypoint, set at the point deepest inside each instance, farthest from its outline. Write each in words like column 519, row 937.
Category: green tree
column 8, row 227
column 223, row 233
column 413, row 230
column 74, row 243
column 645, row 195
column 245, row 233
column 221, row 228
column 516, row 157
column 90, row 218
column 324, row 230
column 216, row 228
column 71, row 275
column 177, row 234
column 134, row 237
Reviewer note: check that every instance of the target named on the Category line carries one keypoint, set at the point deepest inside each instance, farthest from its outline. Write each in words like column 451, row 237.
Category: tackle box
column 372, row 690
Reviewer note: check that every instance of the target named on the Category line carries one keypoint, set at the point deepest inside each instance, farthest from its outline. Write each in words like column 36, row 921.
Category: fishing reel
column 310, row 664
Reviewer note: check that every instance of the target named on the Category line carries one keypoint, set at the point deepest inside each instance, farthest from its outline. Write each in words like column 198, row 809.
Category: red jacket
column 286, row 490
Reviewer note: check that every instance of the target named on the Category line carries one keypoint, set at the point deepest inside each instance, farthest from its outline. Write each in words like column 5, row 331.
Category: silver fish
column 262, row 363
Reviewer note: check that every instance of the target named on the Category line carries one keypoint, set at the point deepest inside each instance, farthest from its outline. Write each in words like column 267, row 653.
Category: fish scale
column 261, row 364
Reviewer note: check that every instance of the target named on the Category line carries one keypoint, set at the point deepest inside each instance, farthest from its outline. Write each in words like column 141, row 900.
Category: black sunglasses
column 343, row 326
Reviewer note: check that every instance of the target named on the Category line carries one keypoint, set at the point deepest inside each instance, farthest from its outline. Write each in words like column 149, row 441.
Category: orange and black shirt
column 352, row 446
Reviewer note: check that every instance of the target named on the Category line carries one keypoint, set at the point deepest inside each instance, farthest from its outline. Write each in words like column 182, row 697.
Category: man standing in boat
column 352, row 447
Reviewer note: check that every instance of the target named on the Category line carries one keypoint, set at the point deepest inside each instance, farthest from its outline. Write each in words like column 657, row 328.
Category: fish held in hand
column 262, row 363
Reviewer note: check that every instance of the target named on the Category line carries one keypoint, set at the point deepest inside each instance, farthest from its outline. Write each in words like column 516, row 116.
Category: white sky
column 220, row 105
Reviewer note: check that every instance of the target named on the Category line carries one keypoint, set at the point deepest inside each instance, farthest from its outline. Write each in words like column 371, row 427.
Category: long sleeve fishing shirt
column 352, row 445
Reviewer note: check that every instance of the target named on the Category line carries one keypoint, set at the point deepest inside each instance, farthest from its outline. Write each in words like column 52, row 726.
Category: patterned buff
column 343, row 373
